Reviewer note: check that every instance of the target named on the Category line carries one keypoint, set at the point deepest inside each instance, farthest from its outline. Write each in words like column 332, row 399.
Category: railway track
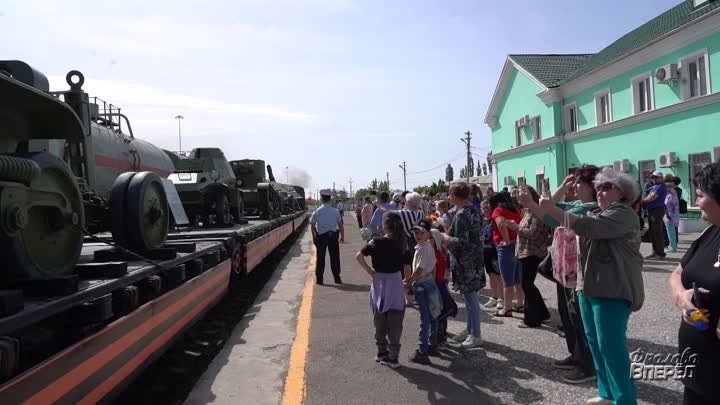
column 172, row 376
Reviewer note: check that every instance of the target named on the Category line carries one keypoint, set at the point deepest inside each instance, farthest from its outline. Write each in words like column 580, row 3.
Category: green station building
column 649, row 101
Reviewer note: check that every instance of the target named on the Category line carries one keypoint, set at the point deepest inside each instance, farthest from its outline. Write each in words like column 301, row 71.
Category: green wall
column 684, row 133
column 548, row 156
column 519, row 100
column 665, row 94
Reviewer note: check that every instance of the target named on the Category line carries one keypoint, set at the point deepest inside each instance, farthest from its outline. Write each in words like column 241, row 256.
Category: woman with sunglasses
column 610, row 285
column 700, row 267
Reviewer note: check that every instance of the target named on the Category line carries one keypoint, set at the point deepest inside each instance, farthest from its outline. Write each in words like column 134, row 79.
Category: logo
column 650, row 366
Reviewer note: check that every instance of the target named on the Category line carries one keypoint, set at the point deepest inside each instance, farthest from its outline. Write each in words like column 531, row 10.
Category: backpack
column 441, row 266
column 683, row 206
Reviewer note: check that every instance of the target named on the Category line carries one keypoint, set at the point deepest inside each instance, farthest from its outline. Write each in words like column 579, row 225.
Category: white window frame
column 566, row 118
column 536, row 126
column 634, row 84
column 684, row 81
column 599, row 95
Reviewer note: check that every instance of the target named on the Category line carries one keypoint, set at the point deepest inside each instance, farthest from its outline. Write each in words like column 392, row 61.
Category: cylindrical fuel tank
column 116, row 153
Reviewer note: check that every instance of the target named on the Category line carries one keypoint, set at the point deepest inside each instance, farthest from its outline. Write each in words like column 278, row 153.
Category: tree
column 470, row 169
column 479, row 169
column 489, row 162
column 463, row 173
column 449, row 173
column 484, row 169
column 383, row 186
column 374, row 184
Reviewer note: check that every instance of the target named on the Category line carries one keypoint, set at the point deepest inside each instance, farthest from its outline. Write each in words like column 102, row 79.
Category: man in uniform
column 326, row 225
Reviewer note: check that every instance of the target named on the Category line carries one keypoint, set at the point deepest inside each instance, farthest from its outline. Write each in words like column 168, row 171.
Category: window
column 603, row 109
column 570, row 117
column 696, row 161
column 536, row 128
column 642, row 94
column 645, row 169
column 521, row 181
column 694, row 75
column 518, row 135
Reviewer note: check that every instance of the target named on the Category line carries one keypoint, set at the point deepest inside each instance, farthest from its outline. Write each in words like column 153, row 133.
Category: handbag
column 565, row 252
column 545, row 268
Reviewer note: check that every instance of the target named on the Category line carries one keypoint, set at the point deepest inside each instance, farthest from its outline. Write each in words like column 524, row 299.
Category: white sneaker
column 499, row 304
column 471, row 342
column 461, row 336
column 491, row 303
column 599, row 401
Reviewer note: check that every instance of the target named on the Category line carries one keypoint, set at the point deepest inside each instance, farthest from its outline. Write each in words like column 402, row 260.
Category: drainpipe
column 562, row 141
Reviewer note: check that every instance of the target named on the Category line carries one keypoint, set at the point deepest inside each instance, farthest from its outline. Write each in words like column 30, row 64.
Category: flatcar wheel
column 49, row 243
column 148, row 216
column 117, row 208
column 222, row 210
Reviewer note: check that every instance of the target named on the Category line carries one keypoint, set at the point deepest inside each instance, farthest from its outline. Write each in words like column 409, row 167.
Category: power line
column 452, row 159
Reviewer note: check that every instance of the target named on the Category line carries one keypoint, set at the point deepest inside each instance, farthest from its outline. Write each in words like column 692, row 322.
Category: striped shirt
column 409, row 219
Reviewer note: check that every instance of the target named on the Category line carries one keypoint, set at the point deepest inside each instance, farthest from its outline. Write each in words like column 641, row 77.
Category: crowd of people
column 421, row 245
column 585, row 236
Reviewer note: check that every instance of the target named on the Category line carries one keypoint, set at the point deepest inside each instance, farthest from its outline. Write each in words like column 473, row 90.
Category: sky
column 332, row 90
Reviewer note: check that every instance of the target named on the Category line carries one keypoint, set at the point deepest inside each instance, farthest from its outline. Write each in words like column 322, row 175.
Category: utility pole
column 351, row 193
column 466, row 141
column 179, row 117
column 404, row 169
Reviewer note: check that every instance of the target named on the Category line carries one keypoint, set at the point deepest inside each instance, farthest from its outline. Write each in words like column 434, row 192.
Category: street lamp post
column 179, row 117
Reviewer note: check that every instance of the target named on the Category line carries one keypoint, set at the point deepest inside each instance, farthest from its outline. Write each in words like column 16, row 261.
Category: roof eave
column 636, row 50
column 501, row 88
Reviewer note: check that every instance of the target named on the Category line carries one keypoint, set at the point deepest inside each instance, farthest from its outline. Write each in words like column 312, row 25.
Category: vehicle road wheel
column 222, row 210
column 49, row 237
column 118, row 220
column 148, row 215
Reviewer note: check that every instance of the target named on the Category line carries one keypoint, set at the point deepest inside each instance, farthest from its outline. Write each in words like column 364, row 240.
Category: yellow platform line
column 295, row 392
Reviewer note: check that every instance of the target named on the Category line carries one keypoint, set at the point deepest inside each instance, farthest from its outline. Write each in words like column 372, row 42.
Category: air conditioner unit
column 668, row 159
column 621, row 166
column 667, row 73
column 508, row 181
column 716, row 153
column 524, row 121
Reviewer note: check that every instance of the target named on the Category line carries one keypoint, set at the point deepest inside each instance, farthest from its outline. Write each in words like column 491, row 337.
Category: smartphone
column 545, row 188
column 698, row 298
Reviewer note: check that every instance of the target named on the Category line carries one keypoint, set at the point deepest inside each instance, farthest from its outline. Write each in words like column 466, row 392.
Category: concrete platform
column 333, row 362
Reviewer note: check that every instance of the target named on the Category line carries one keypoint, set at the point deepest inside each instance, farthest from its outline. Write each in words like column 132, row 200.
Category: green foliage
column 436, row 188
column 449, row 173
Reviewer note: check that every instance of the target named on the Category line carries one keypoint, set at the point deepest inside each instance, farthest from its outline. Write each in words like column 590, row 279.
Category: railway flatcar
column 96, row 284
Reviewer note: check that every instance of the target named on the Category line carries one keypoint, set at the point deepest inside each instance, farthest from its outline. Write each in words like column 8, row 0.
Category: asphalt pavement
column 514, row 366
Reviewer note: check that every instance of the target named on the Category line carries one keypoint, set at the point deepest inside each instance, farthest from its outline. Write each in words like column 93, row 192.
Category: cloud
column 154, row 100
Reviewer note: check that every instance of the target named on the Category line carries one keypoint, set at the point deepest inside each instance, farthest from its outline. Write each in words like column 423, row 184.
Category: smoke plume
column 299, row 177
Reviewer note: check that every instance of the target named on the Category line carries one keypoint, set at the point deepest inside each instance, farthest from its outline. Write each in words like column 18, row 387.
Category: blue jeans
column 605, row 322
column 472, row 306
column 508, row 265
column 427, row 323
column 672, row 236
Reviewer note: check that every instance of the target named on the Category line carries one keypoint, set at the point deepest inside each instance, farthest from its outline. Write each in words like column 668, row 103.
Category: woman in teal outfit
column 610, row 286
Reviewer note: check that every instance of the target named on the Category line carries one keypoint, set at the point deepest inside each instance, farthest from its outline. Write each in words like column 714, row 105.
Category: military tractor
column 288, row 194
column 207, row 187
column 259, row 196
column 70, row 165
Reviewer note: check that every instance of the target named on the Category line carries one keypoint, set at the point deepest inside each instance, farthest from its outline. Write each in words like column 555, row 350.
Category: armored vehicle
column 207, row 187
